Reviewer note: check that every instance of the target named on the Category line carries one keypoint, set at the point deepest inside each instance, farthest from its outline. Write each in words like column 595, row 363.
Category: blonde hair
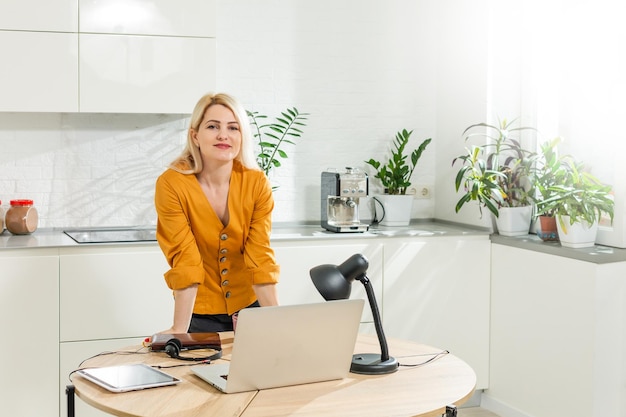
column 190, row 161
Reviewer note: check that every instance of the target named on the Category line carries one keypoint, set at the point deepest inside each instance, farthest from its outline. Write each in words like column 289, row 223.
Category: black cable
column 435, row 357
column 206, row 362
column 132, row 352
column 120, row 352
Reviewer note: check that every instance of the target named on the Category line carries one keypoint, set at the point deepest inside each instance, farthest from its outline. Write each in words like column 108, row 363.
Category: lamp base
column 370, row 364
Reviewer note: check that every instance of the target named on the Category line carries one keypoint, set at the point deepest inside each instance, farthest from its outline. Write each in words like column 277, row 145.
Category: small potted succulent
column 498, row 175
column 395, row 176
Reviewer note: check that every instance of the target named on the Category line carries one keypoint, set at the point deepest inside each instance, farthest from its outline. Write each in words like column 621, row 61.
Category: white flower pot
column 514, row 221
column 577, row 235
column 393, row 210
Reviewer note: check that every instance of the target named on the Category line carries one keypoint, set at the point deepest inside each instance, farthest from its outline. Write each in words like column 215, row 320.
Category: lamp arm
column 384, row 349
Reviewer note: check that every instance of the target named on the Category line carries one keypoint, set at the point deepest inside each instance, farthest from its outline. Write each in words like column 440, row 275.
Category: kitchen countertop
column 597, row 254
column 297, row 232
column 56, row 238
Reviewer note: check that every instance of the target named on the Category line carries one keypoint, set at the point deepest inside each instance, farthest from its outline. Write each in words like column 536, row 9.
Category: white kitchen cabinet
column 436, row 291
column 39, row 71
column 29, row 305
column 110, row 298
column 297, row 258
column 38, row 15
column 144, row 74
column 71, row 356
column 144, row 56
column 150, row 17
column 116, row 292
column 83, row 300
column 558, row 335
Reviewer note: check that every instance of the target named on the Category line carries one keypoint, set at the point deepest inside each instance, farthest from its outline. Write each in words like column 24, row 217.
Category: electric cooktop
column 112, row 235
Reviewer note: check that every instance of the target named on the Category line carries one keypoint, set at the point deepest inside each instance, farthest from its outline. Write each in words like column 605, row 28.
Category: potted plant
column 549, row 172
column 497, row 174
column 395, row 177
column 578, row 200
column 272, row 136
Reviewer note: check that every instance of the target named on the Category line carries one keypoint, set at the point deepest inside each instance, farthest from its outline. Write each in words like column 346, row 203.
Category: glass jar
column 21, row 218
column 1, row 218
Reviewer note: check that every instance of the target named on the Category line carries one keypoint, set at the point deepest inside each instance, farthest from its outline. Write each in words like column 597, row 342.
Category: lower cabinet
column 558, row 336
column 71, row 356
column 61, row 306
column 431, row 290
column 296, row 260
column 436, row 292
column 110, row 298
column 29, row 305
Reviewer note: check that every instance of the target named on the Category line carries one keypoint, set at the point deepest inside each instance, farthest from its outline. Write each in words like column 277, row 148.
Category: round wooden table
column 423, row 390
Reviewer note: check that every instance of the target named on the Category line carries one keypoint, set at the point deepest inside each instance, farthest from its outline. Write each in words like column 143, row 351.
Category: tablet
column 124, row 378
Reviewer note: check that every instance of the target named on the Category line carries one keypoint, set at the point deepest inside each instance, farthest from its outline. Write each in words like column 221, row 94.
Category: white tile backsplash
column 88, row 170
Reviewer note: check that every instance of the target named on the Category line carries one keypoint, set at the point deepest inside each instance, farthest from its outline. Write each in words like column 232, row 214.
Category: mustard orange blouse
column 225, row 260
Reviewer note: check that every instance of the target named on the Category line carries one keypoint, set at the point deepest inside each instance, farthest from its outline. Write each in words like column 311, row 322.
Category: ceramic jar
column 22, row 217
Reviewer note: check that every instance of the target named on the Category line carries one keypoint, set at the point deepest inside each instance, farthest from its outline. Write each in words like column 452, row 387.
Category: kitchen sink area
column 112, row 235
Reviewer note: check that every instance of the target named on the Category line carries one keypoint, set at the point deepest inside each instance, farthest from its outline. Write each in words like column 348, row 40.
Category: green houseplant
column 273, row 136
column 395, row 176
column 578, row 199
column 549, row 171
column 497, row 174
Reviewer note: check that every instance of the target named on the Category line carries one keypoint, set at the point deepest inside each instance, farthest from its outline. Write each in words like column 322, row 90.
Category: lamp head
column 335, row 282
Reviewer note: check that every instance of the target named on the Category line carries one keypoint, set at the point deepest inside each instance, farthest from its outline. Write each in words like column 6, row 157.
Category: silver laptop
column 288, row 345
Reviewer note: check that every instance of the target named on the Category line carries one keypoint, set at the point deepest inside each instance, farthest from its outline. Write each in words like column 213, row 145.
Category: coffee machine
column 341, row 194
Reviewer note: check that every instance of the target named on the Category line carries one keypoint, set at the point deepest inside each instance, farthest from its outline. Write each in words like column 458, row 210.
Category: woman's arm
column 179, row 247
column 266, row 294
column 183, row 308
column 258, row 253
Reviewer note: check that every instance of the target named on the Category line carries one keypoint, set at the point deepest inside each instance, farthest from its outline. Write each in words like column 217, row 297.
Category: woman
column 214, row 209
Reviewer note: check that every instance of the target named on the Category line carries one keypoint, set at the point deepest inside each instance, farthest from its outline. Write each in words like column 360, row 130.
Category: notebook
column 288, row 345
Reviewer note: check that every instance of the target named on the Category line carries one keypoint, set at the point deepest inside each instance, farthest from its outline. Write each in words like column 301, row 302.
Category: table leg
column 450, row 411
column 69, row 392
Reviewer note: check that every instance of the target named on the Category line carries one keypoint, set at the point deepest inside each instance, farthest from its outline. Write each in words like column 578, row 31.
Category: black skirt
column 205, row 323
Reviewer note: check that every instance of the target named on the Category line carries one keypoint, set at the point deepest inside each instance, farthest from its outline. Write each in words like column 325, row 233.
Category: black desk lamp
column 335, row 283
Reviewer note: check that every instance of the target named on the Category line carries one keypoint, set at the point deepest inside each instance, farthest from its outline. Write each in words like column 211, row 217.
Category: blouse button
column 223, row 259
column 223, row 236
column 225, row 282
column 227, row 295
column 224, row 271
column 223, row 251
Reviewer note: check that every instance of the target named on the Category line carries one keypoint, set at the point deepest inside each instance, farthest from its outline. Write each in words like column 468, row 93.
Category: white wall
column 364, row 69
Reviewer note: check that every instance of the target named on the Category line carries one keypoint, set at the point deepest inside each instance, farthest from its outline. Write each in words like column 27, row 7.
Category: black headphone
column 173, row 347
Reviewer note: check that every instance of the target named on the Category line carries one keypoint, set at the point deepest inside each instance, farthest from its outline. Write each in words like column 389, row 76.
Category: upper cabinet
column 107, row 56
column 149, row 17
column 39, row 15
column 39, row 72
column 144, row 74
